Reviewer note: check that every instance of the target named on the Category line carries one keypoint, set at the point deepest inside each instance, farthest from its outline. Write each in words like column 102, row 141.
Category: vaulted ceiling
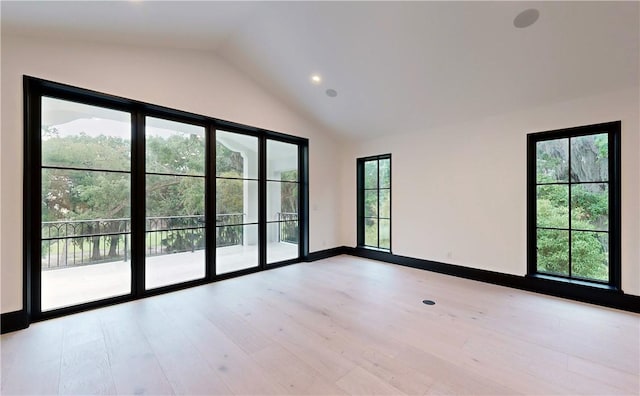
column 396, row 66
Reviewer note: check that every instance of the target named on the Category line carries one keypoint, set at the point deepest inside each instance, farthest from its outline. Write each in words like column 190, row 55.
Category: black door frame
column 35, row 88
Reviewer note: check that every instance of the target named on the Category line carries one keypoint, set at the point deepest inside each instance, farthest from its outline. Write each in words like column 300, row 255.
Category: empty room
column 320, row 198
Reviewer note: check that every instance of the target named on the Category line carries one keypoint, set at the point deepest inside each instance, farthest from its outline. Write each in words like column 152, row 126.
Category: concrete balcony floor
column 76, row 285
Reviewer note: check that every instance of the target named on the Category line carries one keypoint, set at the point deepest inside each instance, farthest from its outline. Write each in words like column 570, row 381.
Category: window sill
column 576, row 282
column 375, row 249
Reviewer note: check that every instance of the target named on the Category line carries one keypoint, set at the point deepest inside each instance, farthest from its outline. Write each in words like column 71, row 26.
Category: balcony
column 89, row 260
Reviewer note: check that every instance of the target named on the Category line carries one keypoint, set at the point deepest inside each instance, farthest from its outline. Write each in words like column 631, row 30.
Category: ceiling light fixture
column 332, row 93
column 316, row 79
column 526, row 18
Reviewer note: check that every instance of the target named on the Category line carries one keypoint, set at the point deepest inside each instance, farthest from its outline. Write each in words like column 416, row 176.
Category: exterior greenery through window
column 574, row 203
column 374, row 202
column 126, row 198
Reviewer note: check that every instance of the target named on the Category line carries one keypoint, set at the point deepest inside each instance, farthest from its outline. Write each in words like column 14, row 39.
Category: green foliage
column 83, row 151
column 385, row 173
column 228, row 163
column 100, row 194
column 289, row 192
column 601, row 141
column 371, row 174
column 377, row 203
column 183, row 240
column 589, row 203
column 371, row 233
column 589, row 256
column 176, row 154
column 76, row 195
column 229, row 194
column 553, row 251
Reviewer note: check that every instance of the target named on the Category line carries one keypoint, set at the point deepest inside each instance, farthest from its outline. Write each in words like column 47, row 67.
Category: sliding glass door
column 126, row 199
column 282, row 201
column 175, row 202
column 85, row 203
column 237, row 190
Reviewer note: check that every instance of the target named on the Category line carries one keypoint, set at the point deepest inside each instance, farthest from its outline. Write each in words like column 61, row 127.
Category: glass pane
column 175, row 196
column 84, row 195
column 236, row 248
column 66, row 281
column 371, row 174
column 371, row 203
column 282, row 161
column 590, row 158
column 230, row 235
column 82, row 136
column 175, row 238
column 282, row 201
column 552, row 161
column 553, row 252
column 552, row 206
column 385, row 203
column 86, row 243
column 290, row 175
column 174, row 147
column 174, row 255
column 371, row 232
column 282, row 241
column 236, row 155
column 236, row 201
column 385, row 234
column 590, row 255
column 385, row 173
column 590, row 206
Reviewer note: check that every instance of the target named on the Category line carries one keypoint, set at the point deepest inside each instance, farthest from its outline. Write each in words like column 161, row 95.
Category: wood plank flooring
column 339, row 326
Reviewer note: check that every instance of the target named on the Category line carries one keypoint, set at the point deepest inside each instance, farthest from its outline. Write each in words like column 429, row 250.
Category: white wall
column 186, row 80
column 459, row 192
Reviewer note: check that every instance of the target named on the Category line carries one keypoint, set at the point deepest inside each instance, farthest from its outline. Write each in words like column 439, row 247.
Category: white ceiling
column 397, row 66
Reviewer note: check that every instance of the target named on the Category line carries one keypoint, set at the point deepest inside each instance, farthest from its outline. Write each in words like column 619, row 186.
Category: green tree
column 86, row 195
column 589, row 203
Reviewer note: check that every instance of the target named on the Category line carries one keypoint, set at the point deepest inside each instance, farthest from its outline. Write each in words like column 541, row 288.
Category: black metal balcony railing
column 288, row 227
column 81, row 242
column 174, row 234
column 229, row 229
column 78, row 242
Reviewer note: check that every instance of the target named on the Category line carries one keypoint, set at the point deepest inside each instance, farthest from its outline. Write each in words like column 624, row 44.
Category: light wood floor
column 339, row 326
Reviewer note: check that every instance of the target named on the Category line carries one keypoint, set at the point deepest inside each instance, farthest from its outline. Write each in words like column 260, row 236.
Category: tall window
column 125, row 199
column 374, row 202
column 574, row 203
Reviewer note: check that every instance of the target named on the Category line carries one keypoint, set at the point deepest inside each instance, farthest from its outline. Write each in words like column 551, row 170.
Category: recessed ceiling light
column 332, row 93
column 526, row 18
column 316, row 79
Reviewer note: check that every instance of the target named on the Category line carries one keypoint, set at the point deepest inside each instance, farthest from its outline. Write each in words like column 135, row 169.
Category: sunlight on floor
column 76, row 285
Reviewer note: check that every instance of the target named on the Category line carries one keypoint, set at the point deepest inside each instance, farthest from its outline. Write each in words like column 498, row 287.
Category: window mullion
column 378, row 202
column 570, row 211
column 138, row 204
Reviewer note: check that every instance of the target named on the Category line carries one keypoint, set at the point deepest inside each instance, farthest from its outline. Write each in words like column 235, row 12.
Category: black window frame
column 613, row 130
column 360, row 181
column 35, row 88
